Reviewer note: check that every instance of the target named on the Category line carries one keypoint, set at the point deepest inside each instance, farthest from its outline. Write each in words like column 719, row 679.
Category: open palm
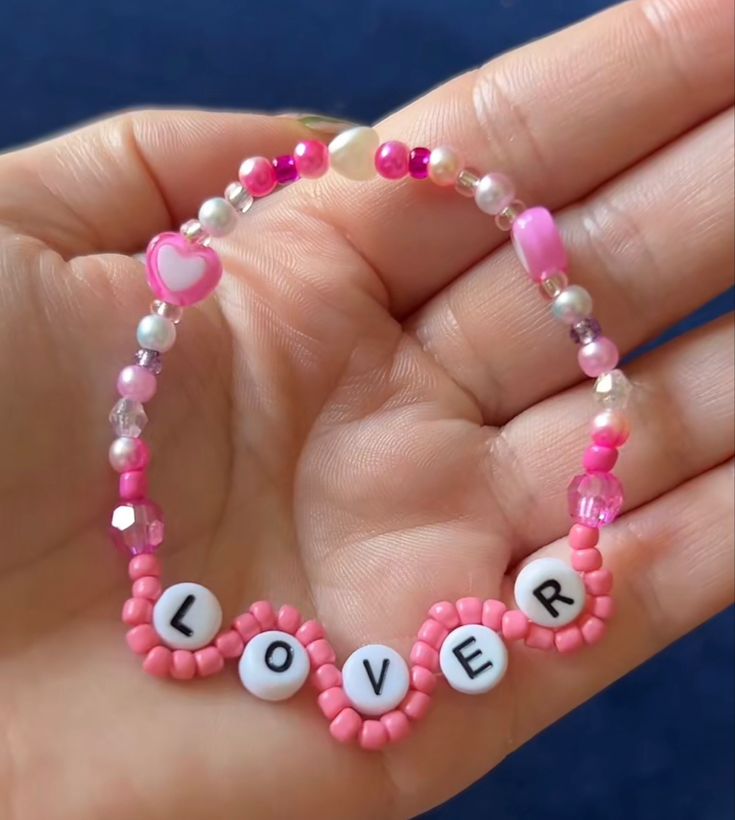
column 373, row 414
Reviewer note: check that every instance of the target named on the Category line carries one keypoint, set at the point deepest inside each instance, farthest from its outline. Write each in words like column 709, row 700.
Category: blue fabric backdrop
column 657, row 744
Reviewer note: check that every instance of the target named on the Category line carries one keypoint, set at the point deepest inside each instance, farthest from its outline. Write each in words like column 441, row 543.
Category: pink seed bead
column 321, row 652
column 247, row 626
column 137, row 611
column 538, row 243
column 610, row 428
column 397, row 725
column 422, row 680
column 373, row 735
column 598, row 357
column 264, row 614
column 603, row 607
column 137, row 383
column 446, row 613
column 309, row 632
column 183, row 665
column 586, row 560
column 230, row 644
column 391, row 160
column 470, row 610
column 141, row 639
column 598, row 458
column 133, row 485
column 345, row 727
column 325, row 677
column 311, row 158
column 569, row 639
column 492, row 614
column 332, row 702
column 599, row 582
column 209, row 661
column 141, row 565
column 285, row 168
column 432, row 633
column 258, row 176
column 148, row 587
column 288, row 619
column 515, row 625
column 158, row 662
column 582, row 537
column 539, row 637
column 416, row 705
column 424, row 655
column 418, row 163
column 593, row 629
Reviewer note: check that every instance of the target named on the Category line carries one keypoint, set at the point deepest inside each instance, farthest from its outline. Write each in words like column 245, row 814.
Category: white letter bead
column 187, row 616
column 549, row 592
column 274, row 666
column 473, row 659
column 375, row 679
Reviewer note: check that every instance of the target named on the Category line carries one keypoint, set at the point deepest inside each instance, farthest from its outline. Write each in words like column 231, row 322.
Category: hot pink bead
column 345, row 726
column 247, row 626
column 446, row 613
column 391, row 160
column 332, row 702
column 137, row 611
column 610, row 428
column 258, row 176
column 137, row 527
column 492, row 614
column 599, row 582
column 158, row 662
column 209, row 661
column 586, row 560
column 397, row 725
column 133, row 485
column 538, row 243
column 603, row 607
column 311, row 158
column 432, row 633
column 569, row 639
column 309, row 632
column 137, row 383
column 183, row 665
column 230, row 644
column 424, row 655
column 598, row 357
column 418, row 163
column 142, row 565
column 373, row 735
column 288, row 619
column 423, row 680
column 416, row 705
column 148, row 587
column 595, row 499
column 285, row 168
column 515, row 625
column 325, row 677
column 469, row 610
column 539, row 637
column 141, row 639
column 593, row 629
column 599, row 459
column 264, row 614
column 321, row 652
column 582, row 537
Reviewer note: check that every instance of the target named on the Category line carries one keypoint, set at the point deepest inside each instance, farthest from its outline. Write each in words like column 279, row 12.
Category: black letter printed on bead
column 548, row 601
column 271, row 663
column 376, row 684
column 177, row 622
column 472, row 671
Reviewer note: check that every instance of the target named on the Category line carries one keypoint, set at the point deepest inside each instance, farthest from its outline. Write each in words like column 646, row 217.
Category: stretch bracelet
column 376, row 695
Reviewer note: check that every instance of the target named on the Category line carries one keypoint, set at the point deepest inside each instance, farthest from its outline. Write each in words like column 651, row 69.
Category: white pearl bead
column 352, row 153
column 156, row 333
column 217, row 216
column 494, row 193
column 572, row 305
column 124, row 454
column 444, row 165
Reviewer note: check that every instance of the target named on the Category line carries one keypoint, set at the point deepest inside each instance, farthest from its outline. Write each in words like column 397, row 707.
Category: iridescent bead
column 194, row 232
column 285, row 168
column 507, row 218
column 572, row 305
column 128, row 453
column 445, row 164
column 586, row 331
column 128, row 418
column 467, row 182
column 171, row 312
column 135, row 382
column 137, row 527
column 151, row 360
column 613, row 390
column 156, row 333
column 418, row 163
column 595, row 499
column 238, row 197
column 553, row 284
column 494, row 193
column 598, row 357
column 217, row 216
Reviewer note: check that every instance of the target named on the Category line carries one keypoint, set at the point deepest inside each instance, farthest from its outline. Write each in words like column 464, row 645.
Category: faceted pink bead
column 418, row 163
column 311, row 158
column 391, row 160
column 258, row 176
column 595, row 499
column 285, row 168
column 136, row 382
column 137, row 527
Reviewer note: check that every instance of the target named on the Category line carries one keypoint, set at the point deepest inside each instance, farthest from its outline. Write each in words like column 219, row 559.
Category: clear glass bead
column 194, row 232
column 150, row 359
column 467, row 182
column 238, row 197
column 586, row 331
column 136, row 527
column 171, row 312
column 595, row 499
column 505, row 219
column 553, row 285
column 128, row 418
column 613, row 390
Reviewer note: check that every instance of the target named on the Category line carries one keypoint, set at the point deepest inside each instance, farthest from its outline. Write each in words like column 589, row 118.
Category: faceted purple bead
column 585, row 331
column 418, row 163
column 137, row 527
column 595, row 499
column 285, row 167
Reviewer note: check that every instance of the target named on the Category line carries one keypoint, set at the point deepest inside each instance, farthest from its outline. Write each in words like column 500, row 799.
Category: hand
column 376, row 412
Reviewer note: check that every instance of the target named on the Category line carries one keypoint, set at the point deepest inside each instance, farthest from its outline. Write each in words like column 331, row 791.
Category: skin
column 375, row 412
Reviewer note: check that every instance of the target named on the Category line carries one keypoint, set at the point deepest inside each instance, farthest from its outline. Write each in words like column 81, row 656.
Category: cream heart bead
column 352, row 153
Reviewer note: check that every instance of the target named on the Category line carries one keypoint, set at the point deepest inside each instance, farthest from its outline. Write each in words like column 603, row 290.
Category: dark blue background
column 658, row 744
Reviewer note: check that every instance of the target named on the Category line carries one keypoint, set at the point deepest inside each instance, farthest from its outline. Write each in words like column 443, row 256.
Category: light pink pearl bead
column 598, row 357
column 258, row 176
column 599, row 582
column 311, row 158
column 137, row 383
column 610, row 428
column 391, row 160
column 599, row 459
column 444, row 165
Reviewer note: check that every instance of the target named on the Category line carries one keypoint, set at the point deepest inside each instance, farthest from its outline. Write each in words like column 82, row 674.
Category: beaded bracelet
column 376, row 695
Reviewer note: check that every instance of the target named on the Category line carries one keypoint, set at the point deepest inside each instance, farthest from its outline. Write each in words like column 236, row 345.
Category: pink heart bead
column 181, row 272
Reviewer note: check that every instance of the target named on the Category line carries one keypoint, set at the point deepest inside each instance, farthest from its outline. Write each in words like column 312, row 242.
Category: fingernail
column 322, row 123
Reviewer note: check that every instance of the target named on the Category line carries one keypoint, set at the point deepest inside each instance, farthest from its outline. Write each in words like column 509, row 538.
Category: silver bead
column 467, row 182
column 238, row 197
column 217, row 217
column 156, row 333
column 572, row 305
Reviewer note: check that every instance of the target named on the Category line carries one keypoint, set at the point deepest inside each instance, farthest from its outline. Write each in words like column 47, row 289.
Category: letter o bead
column 274, row 666
column 473, row 659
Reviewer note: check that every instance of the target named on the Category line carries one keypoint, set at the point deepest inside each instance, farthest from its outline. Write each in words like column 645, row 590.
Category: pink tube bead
column 416, row 705
column 137, row 611
column 209, row 661
column 326, row 677
column 142, row 638
column 599, row 582
column 158, row 662
column 391, row 160
column 264, row 614
column 137, row 383
column 492, row 614
column 603, row 607
column 258, row 176
column 345, row 726
column 514, row 625
column 397, row 725
column 538, row 243
column 599, row 458
column 230, row 644
column 247, row 626
column 321, row 652
column 332, row 702
column 183, row 665
column 424, row 655
column 582, row 537
column 148, row 587
column 311, row 158
column 373, row 735
column 309, row 632
column 446, row 613
column 539, row 637
column 598, row 357
column 569, row 639
column 593, row 629
column 288, row 619
column 610, row 428
column 423, row 680
column 432, row 632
